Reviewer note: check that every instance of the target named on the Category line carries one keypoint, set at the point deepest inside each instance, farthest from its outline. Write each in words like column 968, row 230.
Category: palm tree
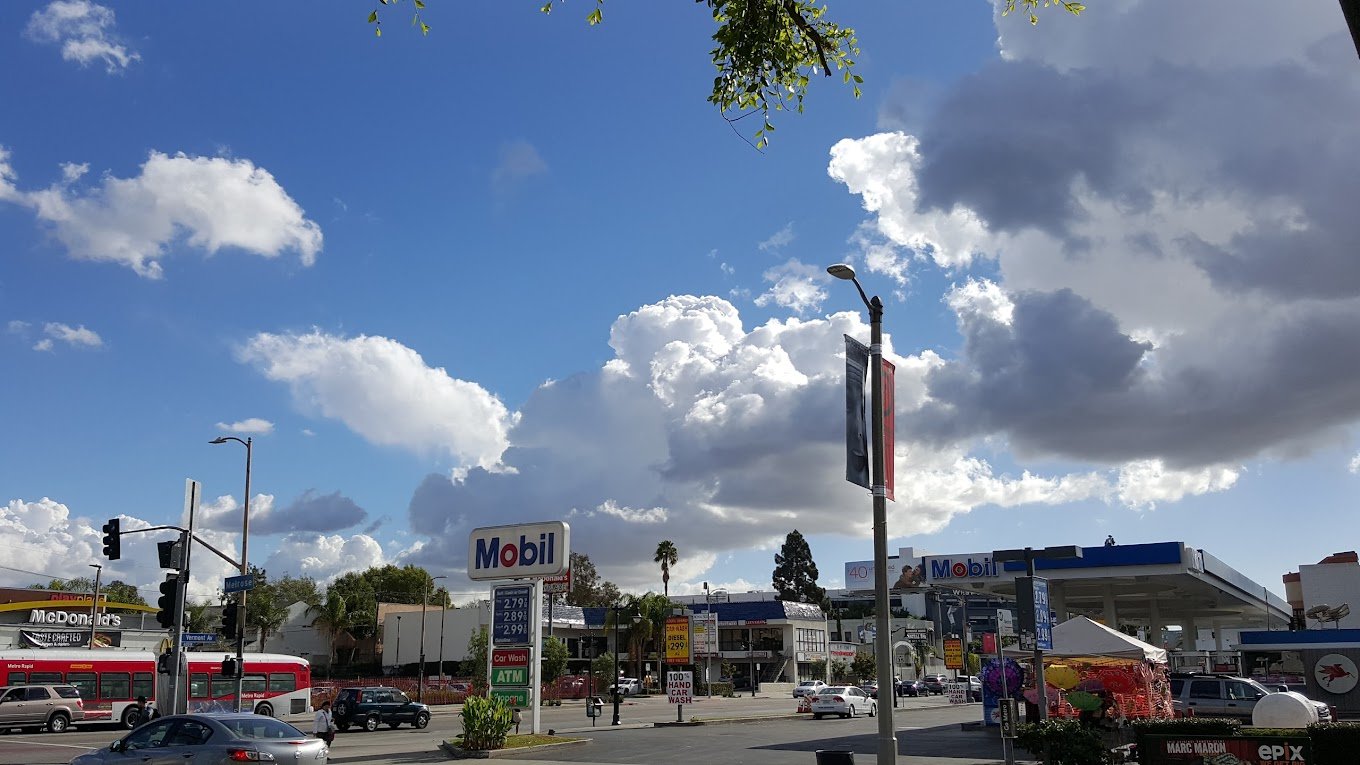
column 333, row 616
column 653, row 608
column 666, row 555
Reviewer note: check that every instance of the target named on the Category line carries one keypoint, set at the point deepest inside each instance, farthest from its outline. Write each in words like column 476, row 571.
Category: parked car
column 870, row 688
column 1217, row 695
column 843, row 700
column 911, row 688
column 372, row 706
column 808, row 688
column 935, row 683
column 627, row 686
column 210, row 739
column 39, row 707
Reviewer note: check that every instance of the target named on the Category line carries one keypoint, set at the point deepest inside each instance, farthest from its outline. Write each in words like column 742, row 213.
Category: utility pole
column 94, row 601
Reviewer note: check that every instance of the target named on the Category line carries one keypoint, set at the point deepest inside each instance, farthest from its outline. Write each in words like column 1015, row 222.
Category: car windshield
column 261, row 727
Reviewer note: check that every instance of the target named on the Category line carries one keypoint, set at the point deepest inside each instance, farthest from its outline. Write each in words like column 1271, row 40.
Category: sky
column 520, row 270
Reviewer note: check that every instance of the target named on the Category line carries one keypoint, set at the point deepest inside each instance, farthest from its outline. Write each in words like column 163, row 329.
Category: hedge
column 1335, row 743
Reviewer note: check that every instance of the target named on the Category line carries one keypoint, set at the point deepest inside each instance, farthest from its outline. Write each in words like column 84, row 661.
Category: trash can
column 835, row 757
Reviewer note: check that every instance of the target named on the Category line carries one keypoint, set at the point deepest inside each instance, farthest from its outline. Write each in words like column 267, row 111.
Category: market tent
column 1082, row 638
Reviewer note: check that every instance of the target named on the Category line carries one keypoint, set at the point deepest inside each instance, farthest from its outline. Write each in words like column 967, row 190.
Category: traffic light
column 229, row 620
column 113, row 543
column 168, row 601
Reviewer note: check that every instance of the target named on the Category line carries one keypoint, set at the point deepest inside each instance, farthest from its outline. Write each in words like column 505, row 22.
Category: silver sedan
column 842, row 700
column 210, row 739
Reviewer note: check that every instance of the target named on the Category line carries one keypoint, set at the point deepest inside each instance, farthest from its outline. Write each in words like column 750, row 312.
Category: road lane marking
column 9, row 740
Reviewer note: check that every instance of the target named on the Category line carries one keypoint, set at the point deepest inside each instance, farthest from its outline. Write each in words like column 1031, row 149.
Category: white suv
column 808, row 688
column 627, row 686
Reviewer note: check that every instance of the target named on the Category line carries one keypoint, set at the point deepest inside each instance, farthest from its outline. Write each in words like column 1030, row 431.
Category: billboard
column 511, row 552
column 904, row 572
column 678, row 641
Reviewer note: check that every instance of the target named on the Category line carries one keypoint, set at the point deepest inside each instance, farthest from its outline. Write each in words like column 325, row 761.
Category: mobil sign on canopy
column 512, row 552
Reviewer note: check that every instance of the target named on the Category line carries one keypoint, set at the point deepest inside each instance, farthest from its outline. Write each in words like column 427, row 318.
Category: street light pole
column 709, row 624
column 94, row 601
column 245, row 569
column 420, row 675
column 617, row 690
column 887, row 741
column 443, row 603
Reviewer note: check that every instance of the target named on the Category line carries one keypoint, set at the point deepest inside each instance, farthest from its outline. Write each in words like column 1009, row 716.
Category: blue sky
column 521, row 270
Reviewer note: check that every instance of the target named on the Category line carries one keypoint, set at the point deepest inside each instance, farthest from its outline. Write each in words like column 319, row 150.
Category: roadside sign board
column 510, row 676
column 511, row 608
column 678, row 640
column 1005, row 627
column 988, row 642
column 953, row 653
column 916, row 635
column 680, row 687
column 554, row 585
column 1007, row 713
column 705, row 636
column 509, row 657
column 239, row 583
column 199, row 637
column 515, row 697
column 1036, row 621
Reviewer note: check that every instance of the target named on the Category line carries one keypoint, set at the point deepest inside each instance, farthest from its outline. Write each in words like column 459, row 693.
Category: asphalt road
column 742, row 730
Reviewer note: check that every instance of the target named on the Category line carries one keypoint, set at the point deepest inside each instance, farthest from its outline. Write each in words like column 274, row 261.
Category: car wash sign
column 513, row 552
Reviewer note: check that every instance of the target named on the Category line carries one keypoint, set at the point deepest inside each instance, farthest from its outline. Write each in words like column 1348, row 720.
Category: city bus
column 110, row 681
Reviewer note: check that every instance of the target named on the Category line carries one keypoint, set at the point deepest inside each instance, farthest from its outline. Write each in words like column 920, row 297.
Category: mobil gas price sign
column 525, row 550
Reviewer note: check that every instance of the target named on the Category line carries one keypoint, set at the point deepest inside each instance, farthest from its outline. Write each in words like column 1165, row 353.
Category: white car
column 808, row 688
column 628, row 686
column 843, row 700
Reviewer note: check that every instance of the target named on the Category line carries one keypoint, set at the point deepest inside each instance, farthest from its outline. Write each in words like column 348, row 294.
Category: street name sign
column 199, row 637
column 239, row 583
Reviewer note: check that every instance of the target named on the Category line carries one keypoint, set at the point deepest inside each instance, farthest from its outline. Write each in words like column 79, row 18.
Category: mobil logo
column 525, row 550
column 970, row 567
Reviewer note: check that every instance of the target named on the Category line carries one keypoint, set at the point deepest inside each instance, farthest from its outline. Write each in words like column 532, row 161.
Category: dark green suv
column 377, row 705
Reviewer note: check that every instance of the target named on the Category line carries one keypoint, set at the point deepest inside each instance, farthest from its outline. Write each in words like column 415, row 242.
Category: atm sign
column 502, row 658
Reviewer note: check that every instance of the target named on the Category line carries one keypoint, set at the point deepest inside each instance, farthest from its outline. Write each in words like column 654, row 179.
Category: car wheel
column 371, row 723
column 264, row 709
column 422, row 719
column 341, row 710
column 131, row 718
column 852, row 711
column 873, row 709
column 58, row 723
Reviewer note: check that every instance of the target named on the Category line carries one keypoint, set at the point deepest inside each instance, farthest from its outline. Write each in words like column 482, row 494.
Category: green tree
column 602, row 672
column 116, row 591
column 475, row 664
column 766, row 52
column 588, row 590
column 332, row 616
column 667, row 556
column 652, row 608
column 199, row 617
column 840, row 671
column 391, row 584
column 863, row 667
column 554, row 659
column 795, row 573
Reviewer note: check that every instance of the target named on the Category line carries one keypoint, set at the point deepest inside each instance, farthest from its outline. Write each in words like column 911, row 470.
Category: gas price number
column 511, row 614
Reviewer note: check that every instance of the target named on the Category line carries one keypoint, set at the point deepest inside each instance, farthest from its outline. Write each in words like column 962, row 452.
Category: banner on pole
column 889, row 426
column 856, row 435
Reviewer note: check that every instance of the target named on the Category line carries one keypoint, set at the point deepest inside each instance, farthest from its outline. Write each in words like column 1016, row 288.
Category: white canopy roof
column 1081, row 637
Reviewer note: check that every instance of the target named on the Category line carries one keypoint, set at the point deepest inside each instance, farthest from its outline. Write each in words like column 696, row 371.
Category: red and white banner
column 889, row 425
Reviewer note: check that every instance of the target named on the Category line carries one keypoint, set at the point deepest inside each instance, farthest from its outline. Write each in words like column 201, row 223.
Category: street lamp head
column 218, row 440
column 841, row 271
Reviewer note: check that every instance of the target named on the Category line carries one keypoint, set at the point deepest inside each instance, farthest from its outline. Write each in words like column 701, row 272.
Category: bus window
column 143, row 684
column 115, row 685
column 17, row 678
column 223, row 686
column 84, row 682
column 282, row 682
column 198, row 685
column 252, row 684
column 51, row 678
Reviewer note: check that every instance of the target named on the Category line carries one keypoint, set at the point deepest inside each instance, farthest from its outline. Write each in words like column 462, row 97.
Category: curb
column 459, row 753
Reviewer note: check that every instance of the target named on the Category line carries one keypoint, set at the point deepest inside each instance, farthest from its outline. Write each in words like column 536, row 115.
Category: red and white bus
column 110, row 681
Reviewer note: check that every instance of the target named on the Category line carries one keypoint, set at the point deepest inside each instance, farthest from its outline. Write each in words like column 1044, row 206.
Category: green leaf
column 377, row 32
column 595, row 17
column 547, row 7
column 373, row 17
column 420, row 4
column 424, row 28
column 858, row 80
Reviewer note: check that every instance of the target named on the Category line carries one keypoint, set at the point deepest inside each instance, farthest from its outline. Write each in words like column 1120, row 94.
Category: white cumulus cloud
column 209, row 203
column 251, row 425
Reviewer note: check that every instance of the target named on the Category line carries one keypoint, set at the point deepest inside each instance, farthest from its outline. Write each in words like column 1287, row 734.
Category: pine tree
column 795, row 573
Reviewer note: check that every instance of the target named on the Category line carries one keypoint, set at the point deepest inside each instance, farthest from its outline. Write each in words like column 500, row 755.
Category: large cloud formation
column 1168, row 209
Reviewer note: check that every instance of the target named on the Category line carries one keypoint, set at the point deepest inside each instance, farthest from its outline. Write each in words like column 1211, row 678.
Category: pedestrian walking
column 323, row 726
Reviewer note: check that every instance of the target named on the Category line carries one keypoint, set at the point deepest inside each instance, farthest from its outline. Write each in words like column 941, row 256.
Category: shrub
column 1334, row 743
column 1188, row 726
column 1068, row 742
column 486, row 723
